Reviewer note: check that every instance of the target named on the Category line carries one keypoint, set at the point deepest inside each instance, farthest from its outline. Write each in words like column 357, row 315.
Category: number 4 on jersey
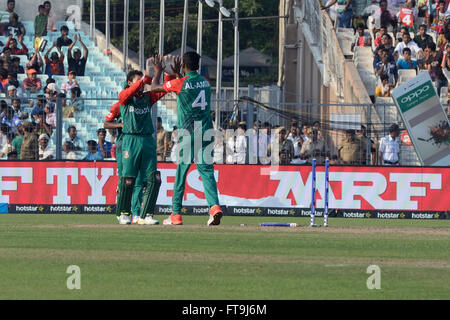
column 200, row 101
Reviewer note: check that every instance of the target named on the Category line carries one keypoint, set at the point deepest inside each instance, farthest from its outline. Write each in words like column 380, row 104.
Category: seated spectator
column 16, row 104
column 4, row 130
column 10, row 6
column 406, row 63
column 54, row 65
column 40, row 22
column 47, row 82
column 102, row 145
column 344, row 10
column 29, row 149
column 385, row 44
column 68, row 151
column 383, row 90
column 6, row 54
column 64, row 40
column 422, row 39
column 7, row 147
column 16, row 143
column 16, row 67
column 35, row 62
column 76, row 63
column 387, row 68
column 385, row 16
column 32, row 83
column 445, row 65
column 352, row 149
column 12, row 91
column 361, row 39
column 297, row 141
column 38, row 107
column 12, row 44
column 285, row 147
column 416, row 52
column 77, row 142
column 46, row 152
column 70, row 83
column 439, row 18
column 93, row 153
column 314, row 147
column 41, row 125
column 381, row 32
column 3, row 80
column 11, row 120
column 51, row 23
column 433, row 65
column 14, row 27
column 407, row 15
column 50, row 115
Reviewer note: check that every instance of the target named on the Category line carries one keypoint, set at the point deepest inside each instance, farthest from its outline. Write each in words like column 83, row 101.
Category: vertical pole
column 313, row 193
column 125, row 34
column 107, row 26
column 161, row 27
column 59, row 121
column 236, row 51
column 199, row 33
column 141, row 35
column 327, row 184
column 251, row 94
column 368, row 144
column 185, row 26
column 219, row 68
column 91, row 19
column 162, row 11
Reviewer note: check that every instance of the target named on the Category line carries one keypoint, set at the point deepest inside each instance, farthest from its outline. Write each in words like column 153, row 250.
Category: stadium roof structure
column 206, row 61
column 250, row 57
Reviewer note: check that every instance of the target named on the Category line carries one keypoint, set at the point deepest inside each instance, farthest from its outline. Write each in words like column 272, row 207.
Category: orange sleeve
column 174, row 85
column 113, row 113
column 126, row 94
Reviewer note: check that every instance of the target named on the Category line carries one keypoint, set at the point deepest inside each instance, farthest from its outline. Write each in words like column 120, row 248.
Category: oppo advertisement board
column 361, row 192
column 425, row 120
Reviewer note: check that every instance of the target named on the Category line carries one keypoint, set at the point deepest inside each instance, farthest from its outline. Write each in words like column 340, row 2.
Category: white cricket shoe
column 148, row 220
column 124, row 219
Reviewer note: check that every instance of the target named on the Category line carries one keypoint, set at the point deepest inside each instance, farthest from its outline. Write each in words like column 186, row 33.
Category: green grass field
column 223, row 262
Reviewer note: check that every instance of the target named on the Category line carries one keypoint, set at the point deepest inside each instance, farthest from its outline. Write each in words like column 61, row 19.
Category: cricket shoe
column 174, row 220
column 148, row 220
column 215, row 214
column 135, row 219
column 124, row 218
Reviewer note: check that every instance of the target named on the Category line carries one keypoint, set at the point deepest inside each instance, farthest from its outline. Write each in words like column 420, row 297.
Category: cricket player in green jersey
column 193, row 116
column 138, row 149
column 113, row 121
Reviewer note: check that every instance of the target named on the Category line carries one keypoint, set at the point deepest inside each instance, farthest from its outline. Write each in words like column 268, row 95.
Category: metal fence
column 87, row 115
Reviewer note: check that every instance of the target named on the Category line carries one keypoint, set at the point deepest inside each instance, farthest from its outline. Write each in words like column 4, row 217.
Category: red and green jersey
column 193, row 100
column 135, row 108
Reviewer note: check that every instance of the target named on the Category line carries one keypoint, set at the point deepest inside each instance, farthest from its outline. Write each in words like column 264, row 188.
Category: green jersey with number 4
column 193, row 101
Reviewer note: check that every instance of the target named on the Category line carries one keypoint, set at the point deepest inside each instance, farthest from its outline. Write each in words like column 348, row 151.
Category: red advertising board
column 351, row 188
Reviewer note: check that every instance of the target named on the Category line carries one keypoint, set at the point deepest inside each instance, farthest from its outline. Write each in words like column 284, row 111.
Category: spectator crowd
column 403, row 34
column 28, row 135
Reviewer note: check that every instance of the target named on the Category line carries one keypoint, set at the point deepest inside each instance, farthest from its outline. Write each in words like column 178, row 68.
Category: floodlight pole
column 236, row 52
column 107, row 25
column 125, row 34
column 199, row 33
column 141, row 35
column 185, row 26
column 219, row 67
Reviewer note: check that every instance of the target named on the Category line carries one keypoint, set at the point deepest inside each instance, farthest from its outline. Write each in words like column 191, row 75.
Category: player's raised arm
column 158, row 67
column 131, row 91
